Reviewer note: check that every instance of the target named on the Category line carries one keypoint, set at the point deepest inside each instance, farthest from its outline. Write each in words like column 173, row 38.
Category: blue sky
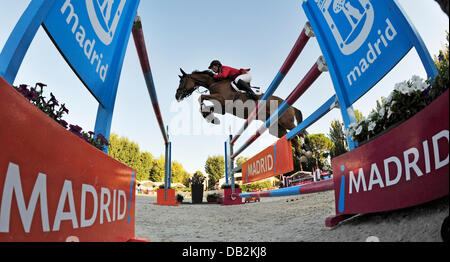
column 256, row 34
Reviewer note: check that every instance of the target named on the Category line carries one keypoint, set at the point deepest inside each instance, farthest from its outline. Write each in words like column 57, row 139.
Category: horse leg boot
column 242, row 85
column 208, row 114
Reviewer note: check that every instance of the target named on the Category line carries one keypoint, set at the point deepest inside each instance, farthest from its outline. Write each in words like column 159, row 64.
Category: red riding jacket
column 230, row 73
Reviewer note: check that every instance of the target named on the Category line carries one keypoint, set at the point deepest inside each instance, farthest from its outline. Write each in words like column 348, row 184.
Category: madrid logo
column 350, row 21
column 105, row 16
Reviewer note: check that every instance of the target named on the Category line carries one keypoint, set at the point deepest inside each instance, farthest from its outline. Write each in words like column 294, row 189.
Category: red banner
column 405, row 167
column 53, row 185
column 272, row 161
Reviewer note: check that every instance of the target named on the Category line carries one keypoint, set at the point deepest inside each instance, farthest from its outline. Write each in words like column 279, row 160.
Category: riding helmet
column 215, row 63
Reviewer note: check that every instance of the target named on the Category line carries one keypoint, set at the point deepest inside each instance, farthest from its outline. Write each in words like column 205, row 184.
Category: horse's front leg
column 208, row 111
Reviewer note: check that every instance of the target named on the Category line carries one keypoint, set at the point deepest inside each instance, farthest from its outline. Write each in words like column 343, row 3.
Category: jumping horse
column 226, row 99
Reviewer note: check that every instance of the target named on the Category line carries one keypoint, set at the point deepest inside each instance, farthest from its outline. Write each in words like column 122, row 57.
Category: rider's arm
column 223, row 74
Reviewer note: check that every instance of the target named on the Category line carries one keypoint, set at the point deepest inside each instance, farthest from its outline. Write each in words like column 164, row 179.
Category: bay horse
column 227, row 100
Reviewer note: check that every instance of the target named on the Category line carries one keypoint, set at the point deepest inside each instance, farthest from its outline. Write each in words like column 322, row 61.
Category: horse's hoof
column 212, row 119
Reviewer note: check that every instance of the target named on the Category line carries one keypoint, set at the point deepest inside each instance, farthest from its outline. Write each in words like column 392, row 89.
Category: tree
column 146, row 165
column 337, row 136
column 147, row 168
column 129, row 154
column 320, row 146
column 358, row 115
column 241, row 160
column 179, row 175
column 157, row 171
column 215, row 168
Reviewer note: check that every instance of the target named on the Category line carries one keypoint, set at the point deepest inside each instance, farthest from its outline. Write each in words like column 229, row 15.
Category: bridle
column 197, row 83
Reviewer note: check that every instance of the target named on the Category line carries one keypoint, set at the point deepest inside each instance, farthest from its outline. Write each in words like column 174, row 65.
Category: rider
column 241, row 77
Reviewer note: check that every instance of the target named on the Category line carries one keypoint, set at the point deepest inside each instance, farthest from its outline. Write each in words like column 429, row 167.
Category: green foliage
column 184, row 189
column 315, row 149
column 241, row 160
column 358, row 115
column 215, row 168
column 128, row 153
column 321, row 144
column 179, row 175
column 147, row 167
column 157, row 171
column 259, row 186
column 337, row 136
column 440, row 83
column 55, row 111
column 407, row 99
column 124, row 150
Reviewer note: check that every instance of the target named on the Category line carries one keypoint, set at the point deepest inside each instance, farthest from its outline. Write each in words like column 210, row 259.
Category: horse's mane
column 208, row 72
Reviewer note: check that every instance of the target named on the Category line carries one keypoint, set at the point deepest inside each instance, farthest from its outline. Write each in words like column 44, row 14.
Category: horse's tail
column 298, row 116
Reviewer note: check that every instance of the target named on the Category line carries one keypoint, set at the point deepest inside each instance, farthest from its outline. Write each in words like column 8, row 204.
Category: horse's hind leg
column 277, row 130
column 289, row 125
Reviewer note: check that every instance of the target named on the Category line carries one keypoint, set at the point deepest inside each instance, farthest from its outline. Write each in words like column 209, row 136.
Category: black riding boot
column 242, row 85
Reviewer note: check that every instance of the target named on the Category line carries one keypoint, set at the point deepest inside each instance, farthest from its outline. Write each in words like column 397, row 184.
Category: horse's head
column 190, row 82
column 186, row 87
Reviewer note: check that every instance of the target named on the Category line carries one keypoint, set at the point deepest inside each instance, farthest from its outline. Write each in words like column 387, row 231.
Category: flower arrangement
column 407, row 99
column 55, row 111
column 180, row 198
column 197, row 179
column 213, row 197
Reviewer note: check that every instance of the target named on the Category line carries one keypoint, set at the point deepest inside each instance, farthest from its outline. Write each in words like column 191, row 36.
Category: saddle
column 255, row 89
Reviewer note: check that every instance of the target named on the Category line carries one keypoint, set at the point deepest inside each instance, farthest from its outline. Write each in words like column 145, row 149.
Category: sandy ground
column 284, row 219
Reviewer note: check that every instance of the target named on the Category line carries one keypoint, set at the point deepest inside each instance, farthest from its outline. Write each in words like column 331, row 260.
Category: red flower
column 103, row 139
column 63, row 123
column 75, row 129
column 30, row 95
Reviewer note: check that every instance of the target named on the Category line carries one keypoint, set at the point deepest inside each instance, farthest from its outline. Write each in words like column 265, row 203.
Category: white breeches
column 247, row 77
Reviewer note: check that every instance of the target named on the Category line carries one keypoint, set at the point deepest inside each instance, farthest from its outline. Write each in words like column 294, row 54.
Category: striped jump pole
column 318, row 68
column 321, row 186
column 301, row 42
column 139, row 41
column 138, row 36
column 226, row 162
column 329, row 105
